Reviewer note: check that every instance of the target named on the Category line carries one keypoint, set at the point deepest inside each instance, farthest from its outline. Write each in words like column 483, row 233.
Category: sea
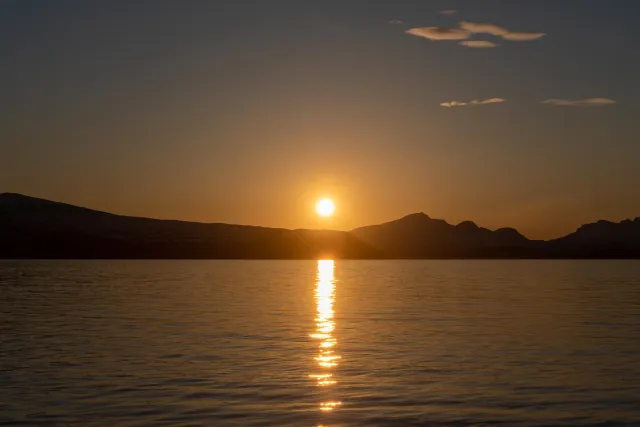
column 320, row 343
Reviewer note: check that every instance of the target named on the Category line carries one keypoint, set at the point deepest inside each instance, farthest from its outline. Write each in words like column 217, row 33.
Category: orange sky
column 248, row 112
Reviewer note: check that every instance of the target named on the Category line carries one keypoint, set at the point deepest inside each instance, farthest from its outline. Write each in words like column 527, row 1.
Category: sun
column 325, row 207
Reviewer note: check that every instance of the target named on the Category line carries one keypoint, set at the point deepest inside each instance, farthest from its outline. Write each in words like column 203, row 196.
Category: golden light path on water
column 326, row 359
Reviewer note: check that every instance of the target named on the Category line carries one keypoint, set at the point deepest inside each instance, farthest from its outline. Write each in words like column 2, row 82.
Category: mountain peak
column 417, row 215
column 468, row 225
column 509, row 230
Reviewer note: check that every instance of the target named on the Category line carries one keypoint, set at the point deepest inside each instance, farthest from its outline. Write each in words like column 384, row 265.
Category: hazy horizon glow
column 510, row 114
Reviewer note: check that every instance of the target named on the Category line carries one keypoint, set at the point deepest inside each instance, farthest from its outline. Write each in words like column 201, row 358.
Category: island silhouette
column 33, row 228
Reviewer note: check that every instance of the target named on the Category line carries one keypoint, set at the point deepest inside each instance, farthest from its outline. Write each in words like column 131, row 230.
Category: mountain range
column 37, row 228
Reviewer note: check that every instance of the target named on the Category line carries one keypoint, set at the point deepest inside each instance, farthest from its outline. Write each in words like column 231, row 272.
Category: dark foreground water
column 350, row 343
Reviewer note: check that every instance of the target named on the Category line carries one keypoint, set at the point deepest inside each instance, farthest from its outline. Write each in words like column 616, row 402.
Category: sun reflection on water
column 326, row 359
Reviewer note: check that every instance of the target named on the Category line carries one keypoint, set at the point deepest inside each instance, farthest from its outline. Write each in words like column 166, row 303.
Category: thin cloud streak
column 448, row 12
column 479, row 44
column 439, row 33
column 396, row 21
column 473, row 103
column 523, row 36
column 479, row 28
column 453, row 104
column 589, row 102
column 495, row 30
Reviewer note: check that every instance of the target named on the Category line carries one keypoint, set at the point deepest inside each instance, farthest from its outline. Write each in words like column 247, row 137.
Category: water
column 350, row 343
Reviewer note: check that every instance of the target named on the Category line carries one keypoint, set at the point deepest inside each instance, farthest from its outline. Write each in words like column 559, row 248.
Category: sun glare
column 325, row 207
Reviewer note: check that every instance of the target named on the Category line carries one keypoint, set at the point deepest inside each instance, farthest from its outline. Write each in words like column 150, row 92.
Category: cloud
column 439, row 33
column 448, row 12
column 589, row 102
column 488, row 101
column 453, row 104
column 467, row 29
column 474, row 102
column 523, row 36
column 396, row 21
column 479, row 44
column 475, row 27
column 482, row 28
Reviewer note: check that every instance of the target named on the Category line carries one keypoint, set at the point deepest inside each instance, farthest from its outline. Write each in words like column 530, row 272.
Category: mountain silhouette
column 602, row 239
column 419, row 236
column 37, row 228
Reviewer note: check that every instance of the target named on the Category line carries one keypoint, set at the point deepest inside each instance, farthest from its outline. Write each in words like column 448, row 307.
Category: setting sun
column 325, row 207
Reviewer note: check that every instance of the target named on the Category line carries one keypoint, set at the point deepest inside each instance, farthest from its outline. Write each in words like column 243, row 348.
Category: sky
column 513, row 113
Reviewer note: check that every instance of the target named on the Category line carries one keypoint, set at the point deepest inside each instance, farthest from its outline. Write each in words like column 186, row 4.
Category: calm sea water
column 350, row 343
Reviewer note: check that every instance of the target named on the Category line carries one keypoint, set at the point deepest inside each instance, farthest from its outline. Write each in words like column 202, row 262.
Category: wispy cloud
column 522, row 36
column 467, row 29
column 396, row 21
column 589, row 102
column 448, row 12
column 479, row 44
column 439, row 33
column 453, row 104
column 488, row 101
column 484, row 28
column 476, row 27
column 474, row 102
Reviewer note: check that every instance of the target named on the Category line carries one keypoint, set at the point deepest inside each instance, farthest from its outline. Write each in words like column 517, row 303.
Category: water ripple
column 401, row 343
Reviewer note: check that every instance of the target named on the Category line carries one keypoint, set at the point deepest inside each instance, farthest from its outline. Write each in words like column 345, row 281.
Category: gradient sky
column 247, row 111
